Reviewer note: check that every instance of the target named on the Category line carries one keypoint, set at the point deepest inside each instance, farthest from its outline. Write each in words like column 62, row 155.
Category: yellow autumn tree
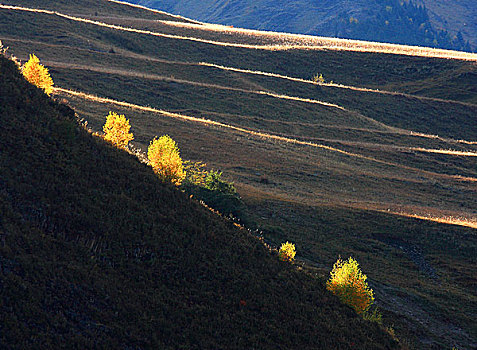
column 37, row 74
column 349, row 284
column 287, row 251
column 116, row 130
column 165, row 159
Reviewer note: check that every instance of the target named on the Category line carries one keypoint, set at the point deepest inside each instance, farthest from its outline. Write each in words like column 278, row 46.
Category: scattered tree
column 37, row 74
column 3, row 50
column 287, row 251
column 165, row 159
column 116, row 130
column 318, row 78
column 349, row 284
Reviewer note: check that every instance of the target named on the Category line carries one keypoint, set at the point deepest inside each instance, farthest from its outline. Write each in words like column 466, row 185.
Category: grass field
column 336, row 168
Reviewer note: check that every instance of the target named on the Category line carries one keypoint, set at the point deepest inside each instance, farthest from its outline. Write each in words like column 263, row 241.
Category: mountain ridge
column 393, row 21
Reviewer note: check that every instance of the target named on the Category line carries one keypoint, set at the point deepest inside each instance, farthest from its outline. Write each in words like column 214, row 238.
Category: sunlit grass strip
column 341, row 86
column 259, row 134
column 215, row 123
column 195, row 83
column 451, row 220
column 324, row 43
column 437, row 137
column 303, row 41
column 140, row 31
column 445, row 151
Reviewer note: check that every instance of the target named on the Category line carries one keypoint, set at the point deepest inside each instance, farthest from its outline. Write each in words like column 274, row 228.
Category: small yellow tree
column 116, row 130
column 165, row 159
column 287, row 251
column 318, row 78
column 349, row 284
column 37, row 74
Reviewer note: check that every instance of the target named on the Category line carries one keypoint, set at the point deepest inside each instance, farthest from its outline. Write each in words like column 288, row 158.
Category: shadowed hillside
column 96, row 252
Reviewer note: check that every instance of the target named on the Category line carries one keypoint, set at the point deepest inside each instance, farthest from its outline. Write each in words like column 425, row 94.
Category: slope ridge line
column 328, row 42
column 155, row 11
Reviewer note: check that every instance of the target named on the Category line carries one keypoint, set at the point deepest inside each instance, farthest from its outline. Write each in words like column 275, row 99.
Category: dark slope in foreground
column 95, row 252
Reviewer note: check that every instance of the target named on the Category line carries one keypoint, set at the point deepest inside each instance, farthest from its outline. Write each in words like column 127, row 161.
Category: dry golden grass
column 446, row 151
column 413, row 211
column 341, row 86
column 283, row 41
column 131, row 73
column 215, row 123
column 139, row 74
column 450, row 220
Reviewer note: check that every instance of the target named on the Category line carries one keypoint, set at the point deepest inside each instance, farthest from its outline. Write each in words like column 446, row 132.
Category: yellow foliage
column 196, row 172
column 349, row 284
column 318, row 78
column 37, row 74
column 165, row 159
column 287, row 251
column 116, row 130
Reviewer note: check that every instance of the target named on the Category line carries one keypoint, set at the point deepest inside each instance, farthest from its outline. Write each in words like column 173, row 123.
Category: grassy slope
column 374, row 70
column 96, row 252
column 401, row 256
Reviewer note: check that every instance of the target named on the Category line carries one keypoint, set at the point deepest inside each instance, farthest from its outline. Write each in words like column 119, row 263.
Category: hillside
column 449, row 26
column 96, row 252
column 379, row 164
column 454, row 16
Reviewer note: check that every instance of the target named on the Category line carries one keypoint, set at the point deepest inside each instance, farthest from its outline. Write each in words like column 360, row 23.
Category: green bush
column 214, row 182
